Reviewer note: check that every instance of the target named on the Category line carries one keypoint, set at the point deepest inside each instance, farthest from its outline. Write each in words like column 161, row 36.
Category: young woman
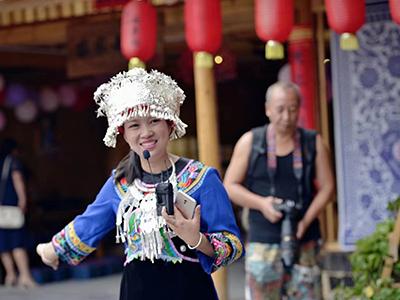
column 12, row 241
column 167, row 256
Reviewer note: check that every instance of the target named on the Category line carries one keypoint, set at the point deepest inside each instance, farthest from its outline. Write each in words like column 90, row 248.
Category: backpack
column 308, row 144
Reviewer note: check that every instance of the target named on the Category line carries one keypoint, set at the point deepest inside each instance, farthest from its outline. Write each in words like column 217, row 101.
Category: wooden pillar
column 208, row 132
column 304, row 15
column 323, row 117
column 323, row 114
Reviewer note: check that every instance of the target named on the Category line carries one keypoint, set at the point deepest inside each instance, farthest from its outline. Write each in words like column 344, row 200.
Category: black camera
column 289, row 242
column 165, row 197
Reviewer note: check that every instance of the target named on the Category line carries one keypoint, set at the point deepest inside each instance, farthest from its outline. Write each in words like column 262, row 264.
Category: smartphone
column 186, row 204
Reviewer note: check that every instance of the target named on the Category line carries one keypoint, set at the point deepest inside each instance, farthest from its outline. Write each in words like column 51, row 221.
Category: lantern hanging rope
column 346, row 17
column 138, row 33
column 274, row 21
column 203, row 29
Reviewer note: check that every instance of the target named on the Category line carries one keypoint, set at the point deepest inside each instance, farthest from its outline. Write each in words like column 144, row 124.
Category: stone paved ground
column 105, row 288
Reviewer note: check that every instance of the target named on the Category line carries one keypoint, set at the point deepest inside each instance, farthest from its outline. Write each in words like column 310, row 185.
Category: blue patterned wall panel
column 366, row 95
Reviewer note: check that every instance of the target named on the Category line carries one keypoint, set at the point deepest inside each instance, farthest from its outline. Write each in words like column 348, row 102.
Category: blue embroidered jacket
column 81, row 237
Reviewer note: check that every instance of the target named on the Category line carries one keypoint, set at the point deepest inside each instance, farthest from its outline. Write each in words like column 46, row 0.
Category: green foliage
column 394, row 206
column 368, row 260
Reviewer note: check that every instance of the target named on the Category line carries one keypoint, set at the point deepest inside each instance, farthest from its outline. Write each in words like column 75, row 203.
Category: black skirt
column 144, row 280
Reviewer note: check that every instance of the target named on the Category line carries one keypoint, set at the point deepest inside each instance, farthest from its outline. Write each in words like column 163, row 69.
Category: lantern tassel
column 274, row 50
column 203, row 59
column 348, row 41
column 135, row 62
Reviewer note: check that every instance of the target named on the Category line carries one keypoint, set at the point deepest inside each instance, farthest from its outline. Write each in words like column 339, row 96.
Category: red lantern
column 346, row 17
column 138, row 32
column 274, row 20
column 203, row 25
column 395, row 10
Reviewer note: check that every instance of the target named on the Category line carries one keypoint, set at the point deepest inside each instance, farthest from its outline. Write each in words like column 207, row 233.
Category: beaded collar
column 137, row 212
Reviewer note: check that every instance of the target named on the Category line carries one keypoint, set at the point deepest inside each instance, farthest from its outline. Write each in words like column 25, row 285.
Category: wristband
column 198, row 244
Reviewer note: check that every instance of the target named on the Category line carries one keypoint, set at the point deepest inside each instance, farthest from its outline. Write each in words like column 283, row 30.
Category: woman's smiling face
column 148, row 133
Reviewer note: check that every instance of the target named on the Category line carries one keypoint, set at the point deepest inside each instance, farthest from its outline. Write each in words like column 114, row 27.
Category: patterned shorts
column 267, row 280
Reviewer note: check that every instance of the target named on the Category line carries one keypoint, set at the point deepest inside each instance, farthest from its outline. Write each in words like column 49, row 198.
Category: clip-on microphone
column 164, row 191
column 146, row 155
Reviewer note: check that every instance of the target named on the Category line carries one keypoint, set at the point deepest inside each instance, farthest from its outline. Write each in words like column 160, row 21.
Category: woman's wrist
column 195, row 246
column 49, row 254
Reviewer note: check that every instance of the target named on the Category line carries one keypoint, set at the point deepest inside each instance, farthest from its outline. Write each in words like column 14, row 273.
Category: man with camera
column 272, row 172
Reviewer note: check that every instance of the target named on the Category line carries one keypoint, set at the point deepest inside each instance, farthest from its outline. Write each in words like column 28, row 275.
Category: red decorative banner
column 98, row 4
column 301, row 58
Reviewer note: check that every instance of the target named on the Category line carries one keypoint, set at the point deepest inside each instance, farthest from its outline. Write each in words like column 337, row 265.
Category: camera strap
column 297, row 162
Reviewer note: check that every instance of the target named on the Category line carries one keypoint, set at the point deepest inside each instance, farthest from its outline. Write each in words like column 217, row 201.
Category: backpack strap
column 308, row 140
column 308, row 137
column 257, row 150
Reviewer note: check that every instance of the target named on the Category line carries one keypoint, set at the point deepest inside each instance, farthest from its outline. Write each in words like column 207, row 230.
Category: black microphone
column 164, row 190
column 146, row 155
column 165, row 196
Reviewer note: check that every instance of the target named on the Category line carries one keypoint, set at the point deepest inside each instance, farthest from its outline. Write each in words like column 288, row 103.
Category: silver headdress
column 137, row 93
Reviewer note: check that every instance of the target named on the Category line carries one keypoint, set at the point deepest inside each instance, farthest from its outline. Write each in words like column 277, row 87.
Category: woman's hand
column 187, row 230
column 48, row 255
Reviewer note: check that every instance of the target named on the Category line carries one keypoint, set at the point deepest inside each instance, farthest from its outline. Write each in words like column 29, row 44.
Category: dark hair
column 129, row 167
column 7, row 146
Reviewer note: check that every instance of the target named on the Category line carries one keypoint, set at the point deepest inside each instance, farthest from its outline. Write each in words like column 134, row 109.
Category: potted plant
column 368, row 261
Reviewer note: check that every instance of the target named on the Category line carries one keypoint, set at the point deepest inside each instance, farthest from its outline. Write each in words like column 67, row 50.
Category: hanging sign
column 94, row 49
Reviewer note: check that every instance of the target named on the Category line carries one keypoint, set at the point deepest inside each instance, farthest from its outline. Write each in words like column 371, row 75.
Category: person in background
column 12, row 246
column 270, row 164
column 168, row 256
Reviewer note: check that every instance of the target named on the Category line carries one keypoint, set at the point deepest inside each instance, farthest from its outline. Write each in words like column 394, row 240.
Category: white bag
column 11, row 217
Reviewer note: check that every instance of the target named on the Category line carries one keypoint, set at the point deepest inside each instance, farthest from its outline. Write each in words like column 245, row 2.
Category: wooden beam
column 238, row 17
column 303, row 14
column 36, row 34
column 26, row 11
column 46, row 33
column 32, row 60
column 19, row 12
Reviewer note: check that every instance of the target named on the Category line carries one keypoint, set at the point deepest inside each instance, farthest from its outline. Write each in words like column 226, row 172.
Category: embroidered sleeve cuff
column 227, row 248
column 69, row 247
